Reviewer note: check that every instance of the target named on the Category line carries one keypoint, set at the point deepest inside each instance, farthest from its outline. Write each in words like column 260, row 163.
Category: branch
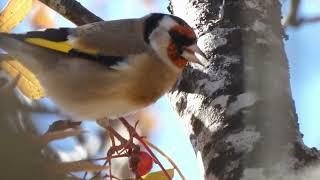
column 73, row 11
column 293, row 19
column 48, row 137
column 308, row 20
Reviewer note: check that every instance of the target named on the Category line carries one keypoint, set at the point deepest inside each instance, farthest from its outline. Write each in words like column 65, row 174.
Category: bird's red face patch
column 181, row 37
column 179, row 61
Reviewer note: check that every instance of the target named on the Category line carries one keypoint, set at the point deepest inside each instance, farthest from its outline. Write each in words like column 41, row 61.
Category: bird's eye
column 181, row 39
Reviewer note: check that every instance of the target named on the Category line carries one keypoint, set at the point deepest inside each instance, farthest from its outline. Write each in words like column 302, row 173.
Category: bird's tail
column 29, row 55
column 8, row 39
column 11, row 44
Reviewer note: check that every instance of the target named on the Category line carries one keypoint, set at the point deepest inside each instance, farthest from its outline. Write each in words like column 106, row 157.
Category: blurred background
column 160, row 122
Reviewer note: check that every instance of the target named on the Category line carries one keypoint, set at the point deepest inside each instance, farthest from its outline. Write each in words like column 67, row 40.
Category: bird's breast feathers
column 94, row 94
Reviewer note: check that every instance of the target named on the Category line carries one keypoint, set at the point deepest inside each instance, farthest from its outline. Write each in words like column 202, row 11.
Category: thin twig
column 46, row 138
column 140, row 139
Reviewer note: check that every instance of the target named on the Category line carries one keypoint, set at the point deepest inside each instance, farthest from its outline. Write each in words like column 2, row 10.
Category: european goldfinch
column 107, row 68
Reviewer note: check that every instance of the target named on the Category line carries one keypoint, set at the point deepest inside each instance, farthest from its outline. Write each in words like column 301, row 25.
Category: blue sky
column 304, row 60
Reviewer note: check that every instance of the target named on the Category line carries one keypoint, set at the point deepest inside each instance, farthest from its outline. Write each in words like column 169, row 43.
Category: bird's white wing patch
column 122, row 65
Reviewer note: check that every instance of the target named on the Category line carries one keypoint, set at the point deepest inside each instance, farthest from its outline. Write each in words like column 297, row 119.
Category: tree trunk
column 238, row 109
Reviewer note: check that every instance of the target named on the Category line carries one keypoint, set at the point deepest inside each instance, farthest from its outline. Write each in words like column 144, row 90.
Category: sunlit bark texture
column 238, row 109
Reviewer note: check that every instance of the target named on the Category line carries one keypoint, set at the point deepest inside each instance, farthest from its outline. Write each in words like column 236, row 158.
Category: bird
column 107, row 68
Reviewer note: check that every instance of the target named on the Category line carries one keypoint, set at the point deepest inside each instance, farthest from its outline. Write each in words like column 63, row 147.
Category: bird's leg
column 128, row 145
column 124, row 143
column 122, row 150
column 112, row 145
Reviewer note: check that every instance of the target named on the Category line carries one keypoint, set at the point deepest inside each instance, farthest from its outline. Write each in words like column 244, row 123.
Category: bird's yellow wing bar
column 54, row 39
column 57, row 46
column 64, row 46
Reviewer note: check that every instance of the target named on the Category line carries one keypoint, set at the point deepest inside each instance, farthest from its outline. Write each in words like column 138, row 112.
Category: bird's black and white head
column 172, row 39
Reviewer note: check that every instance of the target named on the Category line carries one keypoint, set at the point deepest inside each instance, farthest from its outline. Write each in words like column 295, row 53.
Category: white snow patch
column 243, row 100
column 244, row 140
column 210, row 87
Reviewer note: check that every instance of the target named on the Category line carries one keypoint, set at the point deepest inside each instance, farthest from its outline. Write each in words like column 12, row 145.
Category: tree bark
column 238, row 109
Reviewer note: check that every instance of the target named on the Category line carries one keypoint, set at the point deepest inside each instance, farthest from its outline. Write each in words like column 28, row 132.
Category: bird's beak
column 193, row 54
